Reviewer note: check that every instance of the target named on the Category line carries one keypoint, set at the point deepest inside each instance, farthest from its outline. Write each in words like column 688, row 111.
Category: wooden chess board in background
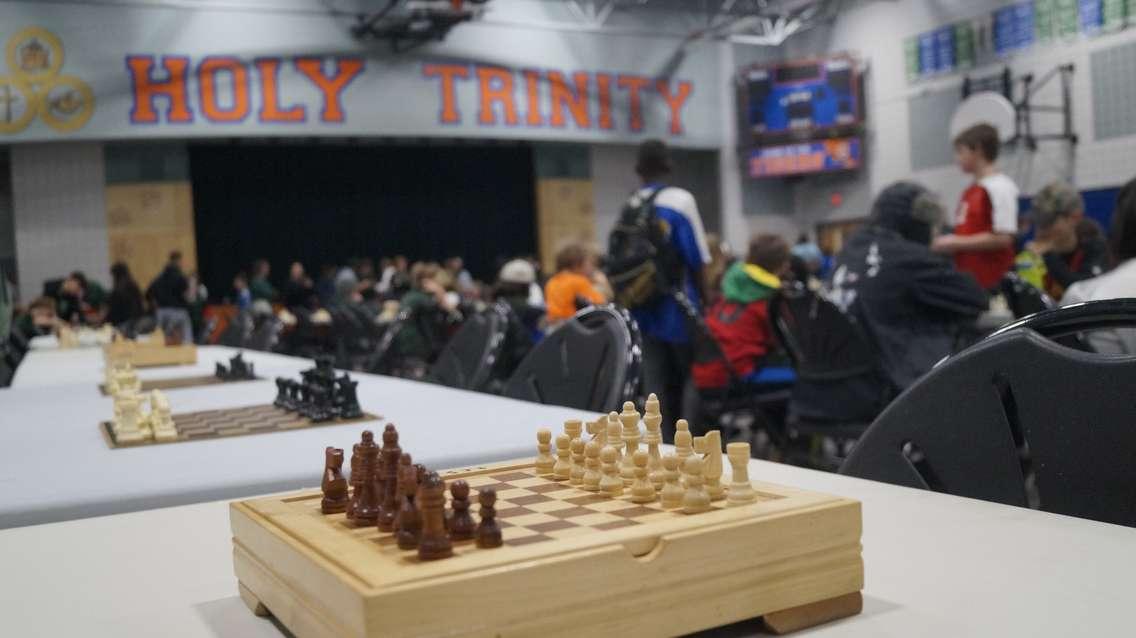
column 214, row 424
column 573, row 563
column 181, row 382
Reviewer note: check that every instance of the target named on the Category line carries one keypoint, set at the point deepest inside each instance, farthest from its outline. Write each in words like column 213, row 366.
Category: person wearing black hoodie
column 912, row 304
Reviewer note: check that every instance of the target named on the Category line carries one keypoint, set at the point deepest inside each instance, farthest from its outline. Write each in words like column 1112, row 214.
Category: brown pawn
column 356, row 480
column 366, row 501
column 388, row 510
column 422, row 472
column 334, row 486
column 431, row 501
column 462, row 526
column 409, row 521
column 488, row 531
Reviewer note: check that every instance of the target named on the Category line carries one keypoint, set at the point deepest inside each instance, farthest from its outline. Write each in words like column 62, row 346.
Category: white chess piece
column 652, row 419
column 740, row 490
column 712, row 470
column 684, row 440
column 161, row 422
column 562, row 470
column 672, row 491
column 629, row 418
column 610, row 483
column 696, row 499
column 592, row 474
column 544, row 460
column 128, row 426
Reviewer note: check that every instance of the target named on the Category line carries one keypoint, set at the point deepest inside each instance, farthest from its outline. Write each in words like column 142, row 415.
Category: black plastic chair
column 591, row 362
column 7, row 369
column 1018, row 404
column 840, row 385
column 468, row 358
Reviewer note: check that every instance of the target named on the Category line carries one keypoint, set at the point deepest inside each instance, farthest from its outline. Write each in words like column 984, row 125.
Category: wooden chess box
column 146, row 355
column 573, row 563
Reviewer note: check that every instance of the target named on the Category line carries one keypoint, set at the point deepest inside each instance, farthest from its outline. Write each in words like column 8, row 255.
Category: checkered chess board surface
column 253, row 419
column 180, row 382
column 534, row 509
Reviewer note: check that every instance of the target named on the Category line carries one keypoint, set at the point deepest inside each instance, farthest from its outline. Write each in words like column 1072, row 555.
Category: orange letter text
column 346, row 69
column 145, row 89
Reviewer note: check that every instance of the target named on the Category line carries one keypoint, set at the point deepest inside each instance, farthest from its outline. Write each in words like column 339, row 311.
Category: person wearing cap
column 1065, row 241
column 524, row 328
column 912, row 303
column 667, row 346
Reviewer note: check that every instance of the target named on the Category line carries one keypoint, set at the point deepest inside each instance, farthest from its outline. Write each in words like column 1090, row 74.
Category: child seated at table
column 739, row 321
column 575, row 285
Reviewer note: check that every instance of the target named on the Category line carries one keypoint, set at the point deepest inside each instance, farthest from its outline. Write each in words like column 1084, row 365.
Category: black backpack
column 641, row 264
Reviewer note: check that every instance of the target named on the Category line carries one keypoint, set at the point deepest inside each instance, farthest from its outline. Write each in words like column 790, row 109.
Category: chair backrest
column 1022, row 297
column 839, row 376
column 590, row 362
column 978, row 423
column 467, row 359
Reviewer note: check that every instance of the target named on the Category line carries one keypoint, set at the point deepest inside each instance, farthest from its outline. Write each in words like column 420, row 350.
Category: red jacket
column 739, row 322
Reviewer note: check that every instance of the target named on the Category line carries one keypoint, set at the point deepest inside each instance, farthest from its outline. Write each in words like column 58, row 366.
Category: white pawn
column 610, row 483
column 592, row 467
column 576, row 475
column 740, row 491
column 696, row 499
column 672, row 491
column 629, row 418
column 684, row 440
column 161, row 423
column 544, row 461
column 641, row 490
column 652, row 419
column 562, row 470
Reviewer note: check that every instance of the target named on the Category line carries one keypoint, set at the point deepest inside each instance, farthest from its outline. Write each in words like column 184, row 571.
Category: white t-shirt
column 1118, row 283
column 1003, row 194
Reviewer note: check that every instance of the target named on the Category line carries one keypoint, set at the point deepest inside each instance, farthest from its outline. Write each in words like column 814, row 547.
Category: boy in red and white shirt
column 987, row 218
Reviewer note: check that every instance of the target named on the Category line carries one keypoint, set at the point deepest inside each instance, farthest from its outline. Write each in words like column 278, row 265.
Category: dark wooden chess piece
column 356, row 479
column 431, row 501
column 488, row 531
column 347, row 398
column 281, row 393
column 334, row 486
column 409, row 522
column 294, row 392
column 219, row 370
column 461, row 525
column 366, row 508
column 388, row 511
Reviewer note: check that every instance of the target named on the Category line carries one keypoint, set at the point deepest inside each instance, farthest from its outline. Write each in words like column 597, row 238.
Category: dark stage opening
column 324, row 204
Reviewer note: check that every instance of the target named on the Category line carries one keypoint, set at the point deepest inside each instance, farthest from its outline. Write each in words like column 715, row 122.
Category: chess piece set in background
column 612, row 463
column 390, row 492
column 320, row 396
column 130, row 423
column 237, row 370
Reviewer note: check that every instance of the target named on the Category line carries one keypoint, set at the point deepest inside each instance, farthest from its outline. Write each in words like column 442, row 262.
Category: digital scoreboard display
column 813, row 95
column 809, row 157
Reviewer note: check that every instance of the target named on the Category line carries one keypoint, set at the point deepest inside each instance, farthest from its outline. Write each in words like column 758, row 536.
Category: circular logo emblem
column 34, row 85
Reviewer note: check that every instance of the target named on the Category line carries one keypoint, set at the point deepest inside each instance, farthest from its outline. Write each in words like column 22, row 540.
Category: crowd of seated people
column 912, row 281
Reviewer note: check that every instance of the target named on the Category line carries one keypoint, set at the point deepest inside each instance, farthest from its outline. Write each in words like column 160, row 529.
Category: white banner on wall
column 120, row 72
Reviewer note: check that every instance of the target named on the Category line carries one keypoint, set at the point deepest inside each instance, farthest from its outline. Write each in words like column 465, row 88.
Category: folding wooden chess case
column 561, row 570
column 145, row 354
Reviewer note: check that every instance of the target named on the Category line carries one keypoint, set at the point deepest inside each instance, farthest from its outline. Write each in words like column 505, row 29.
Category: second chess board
column 213, row 424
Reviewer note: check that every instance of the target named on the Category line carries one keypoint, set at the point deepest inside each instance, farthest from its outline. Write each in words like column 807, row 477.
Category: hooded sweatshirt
column 739, row 322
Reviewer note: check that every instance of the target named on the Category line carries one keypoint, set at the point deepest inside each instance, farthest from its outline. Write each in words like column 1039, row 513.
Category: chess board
column 215, row 424
column 181, row 382
column 573, row 563
column 150, row 355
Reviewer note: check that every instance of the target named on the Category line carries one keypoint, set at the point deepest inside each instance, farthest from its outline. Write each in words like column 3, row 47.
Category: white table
column 935, row 566
column 55, row 465
column 81, row 366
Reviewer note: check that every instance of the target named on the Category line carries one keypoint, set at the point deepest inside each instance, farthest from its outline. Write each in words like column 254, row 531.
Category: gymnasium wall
column 59, row 212
column 904, row 119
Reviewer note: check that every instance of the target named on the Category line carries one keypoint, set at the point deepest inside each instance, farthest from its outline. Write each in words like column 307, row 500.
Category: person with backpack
column 656, row 254
column 912, row 304
column 739, row 321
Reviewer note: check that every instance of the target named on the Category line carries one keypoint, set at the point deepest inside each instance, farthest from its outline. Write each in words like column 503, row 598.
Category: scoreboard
column 805, row 95
column 810, row 157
